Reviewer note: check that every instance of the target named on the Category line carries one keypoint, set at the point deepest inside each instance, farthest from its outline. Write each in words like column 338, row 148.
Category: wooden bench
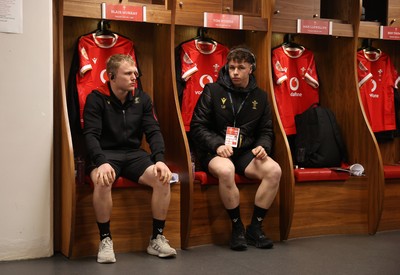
column 391, row 171
column 328, row 202
column 319, row 174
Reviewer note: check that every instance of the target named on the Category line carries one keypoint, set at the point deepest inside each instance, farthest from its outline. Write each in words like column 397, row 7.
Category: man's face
column 239, row 72
column 126, row 76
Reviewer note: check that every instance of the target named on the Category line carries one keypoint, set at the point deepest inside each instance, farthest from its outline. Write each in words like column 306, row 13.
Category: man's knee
column 222, row 170
column 274, row 173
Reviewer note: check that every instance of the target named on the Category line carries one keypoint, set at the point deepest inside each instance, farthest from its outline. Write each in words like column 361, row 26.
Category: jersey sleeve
column 84, row 62
column 279, row 72
column 310, row 75
column 188, row 66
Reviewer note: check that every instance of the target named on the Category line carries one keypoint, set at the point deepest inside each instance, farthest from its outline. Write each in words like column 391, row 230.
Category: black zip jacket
column 113, row 126
column 214, row 113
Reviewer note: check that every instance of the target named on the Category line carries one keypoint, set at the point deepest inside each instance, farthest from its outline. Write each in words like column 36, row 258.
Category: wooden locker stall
column 389, row 14
column 207, row 219
column 352, row 205
column 76, row 229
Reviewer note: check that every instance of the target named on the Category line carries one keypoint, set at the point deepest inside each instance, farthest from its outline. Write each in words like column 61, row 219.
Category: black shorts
column 130, row 165
column 241, row 158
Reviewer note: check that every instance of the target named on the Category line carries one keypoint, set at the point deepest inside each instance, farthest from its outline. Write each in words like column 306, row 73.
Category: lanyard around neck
column 233, row 107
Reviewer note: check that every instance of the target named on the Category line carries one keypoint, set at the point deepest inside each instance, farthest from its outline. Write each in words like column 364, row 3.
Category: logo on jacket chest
column 254, row 103
column 223, row 100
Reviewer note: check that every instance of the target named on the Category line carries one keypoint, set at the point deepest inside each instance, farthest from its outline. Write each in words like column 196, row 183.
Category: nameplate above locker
column 389, row 33
column 318, row 27
column 123, row 12
column 223, row 21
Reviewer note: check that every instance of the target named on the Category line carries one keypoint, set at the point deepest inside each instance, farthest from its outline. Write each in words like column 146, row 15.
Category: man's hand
column 259, row 152
column 163, row 172
column 105, row 174
column 225, row 151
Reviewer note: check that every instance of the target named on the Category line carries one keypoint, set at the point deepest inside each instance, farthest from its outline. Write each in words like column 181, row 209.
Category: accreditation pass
column 232, row 136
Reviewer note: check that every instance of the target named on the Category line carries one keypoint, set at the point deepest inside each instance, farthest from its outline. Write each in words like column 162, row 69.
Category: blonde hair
column 114, row 62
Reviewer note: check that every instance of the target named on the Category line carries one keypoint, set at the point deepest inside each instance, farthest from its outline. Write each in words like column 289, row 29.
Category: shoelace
column 107, row 246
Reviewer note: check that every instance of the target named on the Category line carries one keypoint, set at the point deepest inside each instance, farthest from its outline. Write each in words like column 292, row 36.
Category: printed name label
column 320, row 27
column 223, row 21
column 123, row 12
column 389, row 33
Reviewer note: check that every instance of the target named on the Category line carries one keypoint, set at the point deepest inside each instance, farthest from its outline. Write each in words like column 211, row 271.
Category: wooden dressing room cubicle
column 386, row 13
column 302, row 208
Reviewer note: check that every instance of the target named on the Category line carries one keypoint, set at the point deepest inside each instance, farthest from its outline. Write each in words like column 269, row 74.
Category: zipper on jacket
column 123, row 114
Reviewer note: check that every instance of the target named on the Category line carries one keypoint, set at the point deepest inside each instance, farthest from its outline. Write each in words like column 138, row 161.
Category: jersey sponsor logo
column 103, row 76
column 372, row 95
column 373, row 85
column 198, row 92
column 294, row 84
column 204, row 79
column 294, row 94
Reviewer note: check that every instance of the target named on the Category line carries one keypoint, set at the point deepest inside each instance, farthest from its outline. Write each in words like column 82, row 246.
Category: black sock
column 234, row 215
column 258, row 215
column 104, row 229
column 158, row 228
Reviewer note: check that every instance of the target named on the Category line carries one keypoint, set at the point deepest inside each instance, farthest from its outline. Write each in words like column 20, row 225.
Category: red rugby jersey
column 296, row 85
column 201, row 62
column 93, row 54
column 377, row 80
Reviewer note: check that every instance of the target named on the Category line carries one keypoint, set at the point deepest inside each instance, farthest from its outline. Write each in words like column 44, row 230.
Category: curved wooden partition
column 65, row 182
column 337, row 207
column 167, row 104
column 131, row 220
column 282, row 152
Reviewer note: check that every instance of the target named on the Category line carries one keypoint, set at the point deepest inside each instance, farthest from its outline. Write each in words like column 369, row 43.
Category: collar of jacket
column 105, row 89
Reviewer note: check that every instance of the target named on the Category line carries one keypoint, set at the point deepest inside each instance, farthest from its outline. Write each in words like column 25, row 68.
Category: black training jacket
column 111, row 125
column 214, row 113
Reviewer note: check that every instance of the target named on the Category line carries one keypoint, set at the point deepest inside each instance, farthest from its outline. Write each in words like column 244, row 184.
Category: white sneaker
column 106, row 251
column 160, row 247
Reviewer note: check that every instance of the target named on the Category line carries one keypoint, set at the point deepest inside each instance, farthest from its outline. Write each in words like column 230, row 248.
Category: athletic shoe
column 106, row 251
column 256, row 237
column 160, row 247
column 238, row 241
